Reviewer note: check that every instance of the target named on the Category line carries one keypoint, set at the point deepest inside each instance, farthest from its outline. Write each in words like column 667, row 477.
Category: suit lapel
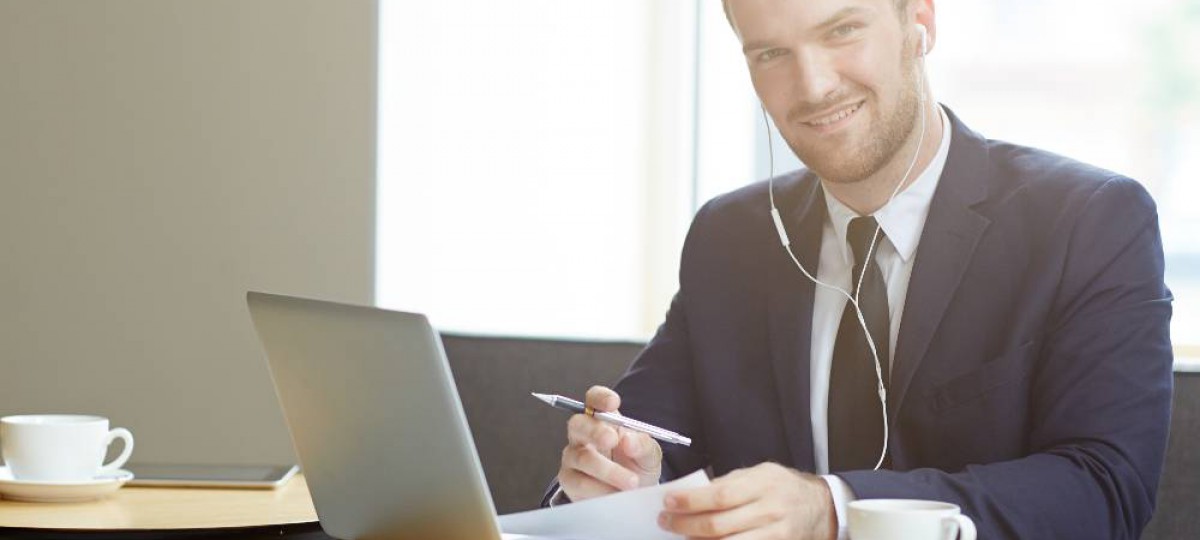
column 952, row 230
column 790, row 302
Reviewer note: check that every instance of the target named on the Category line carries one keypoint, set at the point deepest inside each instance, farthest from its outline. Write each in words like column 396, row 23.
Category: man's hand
column 601, row 458
column 765, row 501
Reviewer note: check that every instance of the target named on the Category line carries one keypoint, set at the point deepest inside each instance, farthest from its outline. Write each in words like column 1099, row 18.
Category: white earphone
column 853, row 299
column 924, row 39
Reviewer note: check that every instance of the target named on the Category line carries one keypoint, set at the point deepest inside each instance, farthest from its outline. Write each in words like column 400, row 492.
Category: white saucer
column 61, row 491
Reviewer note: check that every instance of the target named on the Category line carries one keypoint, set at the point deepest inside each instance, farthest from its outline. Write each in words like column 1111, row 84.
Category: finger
column 720, row 523
column 583, row 429
column 579, row 486
column 638, row 451
column 723, row 494
column 602, row 399
column 587, row 460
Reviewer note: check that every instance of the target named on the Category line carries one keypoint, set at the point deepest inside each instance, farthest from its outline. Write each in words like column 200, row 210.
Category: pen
column 568, row 404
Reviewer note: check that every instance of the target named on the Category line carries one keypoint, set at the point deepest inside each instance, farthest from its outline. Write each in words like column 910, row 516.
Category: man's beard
column 852, row 164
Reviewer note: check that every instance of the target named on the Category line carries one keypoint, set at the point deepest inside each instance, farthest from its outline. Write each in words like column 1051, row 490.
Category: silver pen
column 568, row 404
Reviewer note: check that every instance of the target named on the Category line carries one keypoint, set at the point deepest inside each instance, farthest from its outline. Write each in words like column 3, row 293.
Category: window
column 534, row 163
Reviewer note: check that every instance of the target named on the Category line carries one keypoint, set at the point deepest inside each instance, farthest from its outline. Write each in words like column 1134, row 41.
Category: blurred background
column 545, row 157
column 517, row 168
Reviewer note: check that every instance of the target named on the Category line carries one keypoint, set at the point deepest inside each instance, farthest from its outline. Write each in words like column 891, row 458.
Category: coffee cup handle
column 958, row 526
column 125, row 435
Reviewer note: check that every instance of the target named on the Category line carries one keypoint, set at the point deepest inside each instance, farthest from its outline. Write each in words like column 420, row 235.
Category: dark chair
column 1178, row 511
column 519, row 438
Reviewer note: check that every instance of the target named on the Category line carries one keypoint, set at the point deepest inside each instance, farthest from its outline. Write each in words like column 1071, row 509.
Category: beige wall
column 157, row 159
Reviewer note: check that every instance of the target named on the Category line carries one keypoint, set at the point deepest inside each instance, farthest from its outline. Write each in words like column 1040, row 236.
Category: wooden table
column 145, row 512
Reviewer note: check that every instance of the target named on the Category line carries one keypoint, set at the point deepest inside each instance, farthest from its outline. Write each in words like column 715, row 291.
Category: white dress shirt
column 902, row 221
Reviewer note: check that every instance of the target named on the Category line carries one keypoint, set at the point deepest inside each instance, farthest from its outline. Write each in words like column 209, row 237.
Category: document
column 620, row 516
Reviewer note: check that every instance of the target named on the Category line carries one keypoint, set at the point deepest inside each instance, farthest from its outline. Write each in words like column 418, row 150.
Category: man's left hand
column 764, row 501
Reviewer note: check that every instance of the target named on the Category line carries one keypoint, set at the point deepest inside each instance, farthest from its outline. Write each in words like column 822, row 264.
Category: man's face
column 839, row 77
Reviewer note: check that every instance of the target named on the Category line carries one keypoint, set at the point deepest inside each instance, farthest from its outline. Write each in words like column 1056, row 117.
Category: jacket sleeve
column 1101, row 394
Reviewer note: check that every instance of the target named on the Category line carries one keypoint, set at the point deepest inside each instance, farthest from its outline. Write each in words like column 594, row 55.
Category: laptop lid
column 375, row 420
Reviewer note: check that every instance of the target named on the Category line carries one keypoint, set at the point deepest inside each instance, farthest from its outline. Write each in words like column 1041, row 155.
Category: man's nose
column 817, row 77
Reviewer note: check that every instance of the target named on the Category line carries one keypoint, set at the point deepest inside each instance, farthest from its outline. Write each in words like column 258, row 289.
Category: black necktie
column 855, row 414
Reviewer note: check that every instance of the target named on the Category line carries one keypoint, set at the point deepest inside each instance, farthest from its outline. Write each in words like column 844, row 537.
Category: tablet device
column 213, row 476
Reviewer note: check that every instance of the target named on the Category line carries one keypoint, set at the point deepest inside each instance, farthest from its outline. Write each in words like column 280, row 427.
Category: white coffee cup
column 60, row 447
column 908, row 519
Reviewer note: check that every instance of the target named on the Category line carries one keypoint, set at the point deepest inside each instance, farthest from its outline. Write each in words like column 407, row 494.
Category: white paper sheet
column 620, row 516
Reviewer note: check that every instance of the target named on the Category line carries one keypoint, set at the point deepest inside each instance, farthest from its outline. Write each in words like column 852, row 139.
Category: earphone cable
column 853, row 299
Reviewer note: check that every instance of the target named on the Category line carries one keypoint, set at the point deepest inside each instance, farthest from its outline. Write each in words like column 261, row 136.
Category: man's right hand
column 601, row 458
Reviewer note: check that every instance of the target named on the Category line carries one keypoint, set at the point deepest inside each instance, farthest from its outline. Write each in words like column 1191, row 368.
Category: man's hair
column 900, row 5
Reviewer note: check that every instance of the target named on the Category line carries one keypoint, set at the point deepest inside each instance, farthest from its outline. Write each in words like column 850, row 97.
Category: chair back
column 519, row 438
column 1177, row 514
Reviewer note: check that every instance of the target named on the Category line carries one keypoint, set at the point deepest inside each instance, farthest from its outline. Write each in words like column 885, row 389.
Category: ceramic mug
column 908, row 519
column 60, row 447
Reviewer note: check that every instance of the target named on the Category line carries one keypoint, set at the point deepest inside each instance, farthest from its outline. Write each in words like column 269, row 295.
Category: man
column 1014, row 299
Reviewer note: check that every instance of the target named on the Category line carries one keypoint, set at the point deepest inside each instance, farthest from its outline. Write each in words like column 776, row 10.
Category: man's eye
column 845, row 30
column 769, row 54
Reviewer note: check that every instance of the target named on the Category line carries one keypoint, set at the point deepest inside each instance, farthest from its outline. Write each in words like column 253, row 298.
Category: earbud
column 924, row 39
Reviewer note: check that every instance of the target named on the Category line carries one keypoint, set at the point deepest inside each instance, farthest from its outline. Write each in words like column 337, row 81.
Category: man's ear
column 923, row 14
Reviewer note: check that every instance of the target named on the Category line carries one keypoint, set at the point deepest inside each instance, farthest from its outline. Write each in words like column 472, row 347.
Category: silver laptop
column 375, row 419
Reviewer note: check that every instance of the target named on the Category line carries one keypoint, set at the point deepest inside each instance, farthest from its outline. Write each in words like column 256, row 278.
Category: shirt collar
column 903, row 218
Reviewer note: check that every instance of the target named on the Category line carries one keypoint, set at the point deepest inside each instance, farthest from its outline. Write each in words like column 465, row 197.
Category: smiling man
column 1009, row 353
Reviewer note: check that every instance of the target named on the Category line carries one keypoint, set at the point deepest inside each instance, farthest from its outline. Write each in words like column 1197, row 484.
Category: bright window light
column 533, row 157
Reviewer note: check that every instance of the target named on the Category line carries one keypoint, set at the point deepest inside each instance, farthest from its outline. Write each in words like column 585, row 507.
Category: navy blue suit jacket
column 1032, row 375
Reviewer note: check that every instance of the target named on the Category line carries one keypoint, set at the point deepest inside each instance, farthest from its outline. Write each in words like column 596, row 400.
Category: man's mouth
column 834, row 119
